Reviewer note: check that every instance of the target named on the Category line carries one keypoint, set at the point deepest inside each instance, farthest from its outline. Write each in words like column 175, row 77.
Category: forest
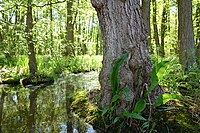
column 100, row 66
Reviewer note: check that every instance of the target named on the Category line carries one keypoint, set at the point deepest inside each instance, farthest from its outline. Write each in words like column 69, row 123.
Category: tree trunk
column 123, row 31
column 146, row 16
column 29, row 37
column 155, row 27
column 97, row 42
column 51, row 27
column 163, row 29
column 69, row 30
column 198, row 32
column 185, row 34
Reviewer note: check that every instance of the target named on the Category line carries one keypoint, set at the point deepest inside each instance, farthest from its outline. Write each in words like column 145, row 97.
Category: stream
column 33, row 109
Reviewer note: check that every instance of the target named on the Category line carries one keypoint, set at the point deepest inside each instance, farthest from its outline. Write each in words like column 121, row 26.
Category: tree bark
column 155, row 27
column 198, row 32
column 29, row 37
column 51, row 26
column 163, row 29
column 123, row 31
column 146, row 16
column 69, row 30
column 185, row 34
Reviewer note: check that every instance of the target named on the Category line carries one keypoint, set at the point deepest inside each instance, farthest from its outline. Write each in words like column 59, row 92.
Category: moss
column 176, row 121
column 83, row 108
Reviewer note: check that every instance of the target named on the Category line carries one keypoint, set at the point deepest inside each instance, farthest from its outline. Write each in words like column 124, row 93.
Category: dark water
column 44, row 110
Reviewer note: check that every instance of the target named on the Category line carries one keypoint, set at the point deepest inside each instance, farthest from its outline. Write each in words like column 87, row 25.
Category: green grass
column 51, row 66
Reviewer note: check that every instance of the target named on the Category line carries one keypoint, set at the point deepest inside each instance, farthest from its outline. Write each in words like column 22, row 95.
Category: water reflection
column 43, row 110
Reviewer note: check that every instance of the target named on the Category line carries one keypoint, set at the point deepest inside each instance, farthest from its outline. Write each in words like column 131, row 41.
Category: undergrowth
column 51, row 66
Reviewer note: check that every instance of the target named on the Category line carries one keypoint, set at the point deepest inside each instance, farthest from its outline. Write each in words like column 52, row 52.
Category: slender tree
column 29, row 37
column 155, row 27
column 146, row 16
column 51, row 26
column 198, row 32
column 185, row 34
column 163, row 29
column 69, row 29
column 123, row 31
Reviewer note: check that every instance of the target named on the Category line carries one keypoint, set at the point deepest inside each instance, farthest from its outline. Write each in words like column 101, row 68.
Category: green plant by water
column 109, row 114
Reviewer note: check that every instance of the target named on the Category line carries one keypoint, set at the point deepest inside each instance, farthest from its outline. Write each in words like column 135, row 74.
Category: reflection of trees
column 69, row 90
column 3, row 94
column 32, row 110
column 24, row 110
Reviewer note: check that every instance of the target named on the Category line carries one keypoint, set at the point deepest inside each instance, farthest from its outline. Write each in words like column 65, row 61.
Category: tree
column 69, row 29
column 123, row 31
column 198, row 32
column 29, row 37
column 146, row 16
column 155, row 27
column 185, row 34
column 163, row 29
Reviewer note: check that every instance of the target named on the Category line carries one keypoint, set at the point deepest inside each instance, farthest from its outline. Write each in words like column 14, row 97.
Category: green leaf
column 114, row 76
column 115, row 98
column 164, row 98
column 126, row 93
column 145, row 125
column 153, row 81
column 140, row 106
column 105, row 110
column 156, row 75
column 161, row 68
column 134, row 115
column 116, row 120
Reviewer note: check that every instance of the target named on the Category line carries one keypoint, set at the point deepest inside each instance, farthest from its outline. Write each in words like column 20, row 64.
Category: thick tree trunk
column 155, row 27
column 163, row 29
column 123, row 31
column 29, row 37
column 185, row 34
column 146, row 16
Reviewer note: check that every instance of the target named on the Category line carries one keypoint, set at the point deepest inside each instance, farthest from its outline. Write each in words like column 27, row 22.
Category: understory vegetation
column 176, row 110
column 49, row 66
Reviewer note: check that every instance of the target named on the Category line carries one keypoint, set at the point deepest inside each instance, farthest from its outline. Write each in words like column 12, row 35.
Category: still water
column 44, row 110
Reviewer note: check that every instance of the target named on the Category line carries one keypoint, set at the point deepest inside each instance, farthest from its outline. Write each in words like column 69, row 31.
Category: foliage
column 111, row 116
column 51, row 66
column 49, row 30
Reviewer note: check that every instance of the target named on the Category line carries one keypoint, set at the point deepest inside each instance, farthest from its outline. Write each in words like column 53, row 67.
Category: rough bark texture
column 29, row 37
column 146, row 16
column 155, row 27
column 185, row 34
column 123, row 31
